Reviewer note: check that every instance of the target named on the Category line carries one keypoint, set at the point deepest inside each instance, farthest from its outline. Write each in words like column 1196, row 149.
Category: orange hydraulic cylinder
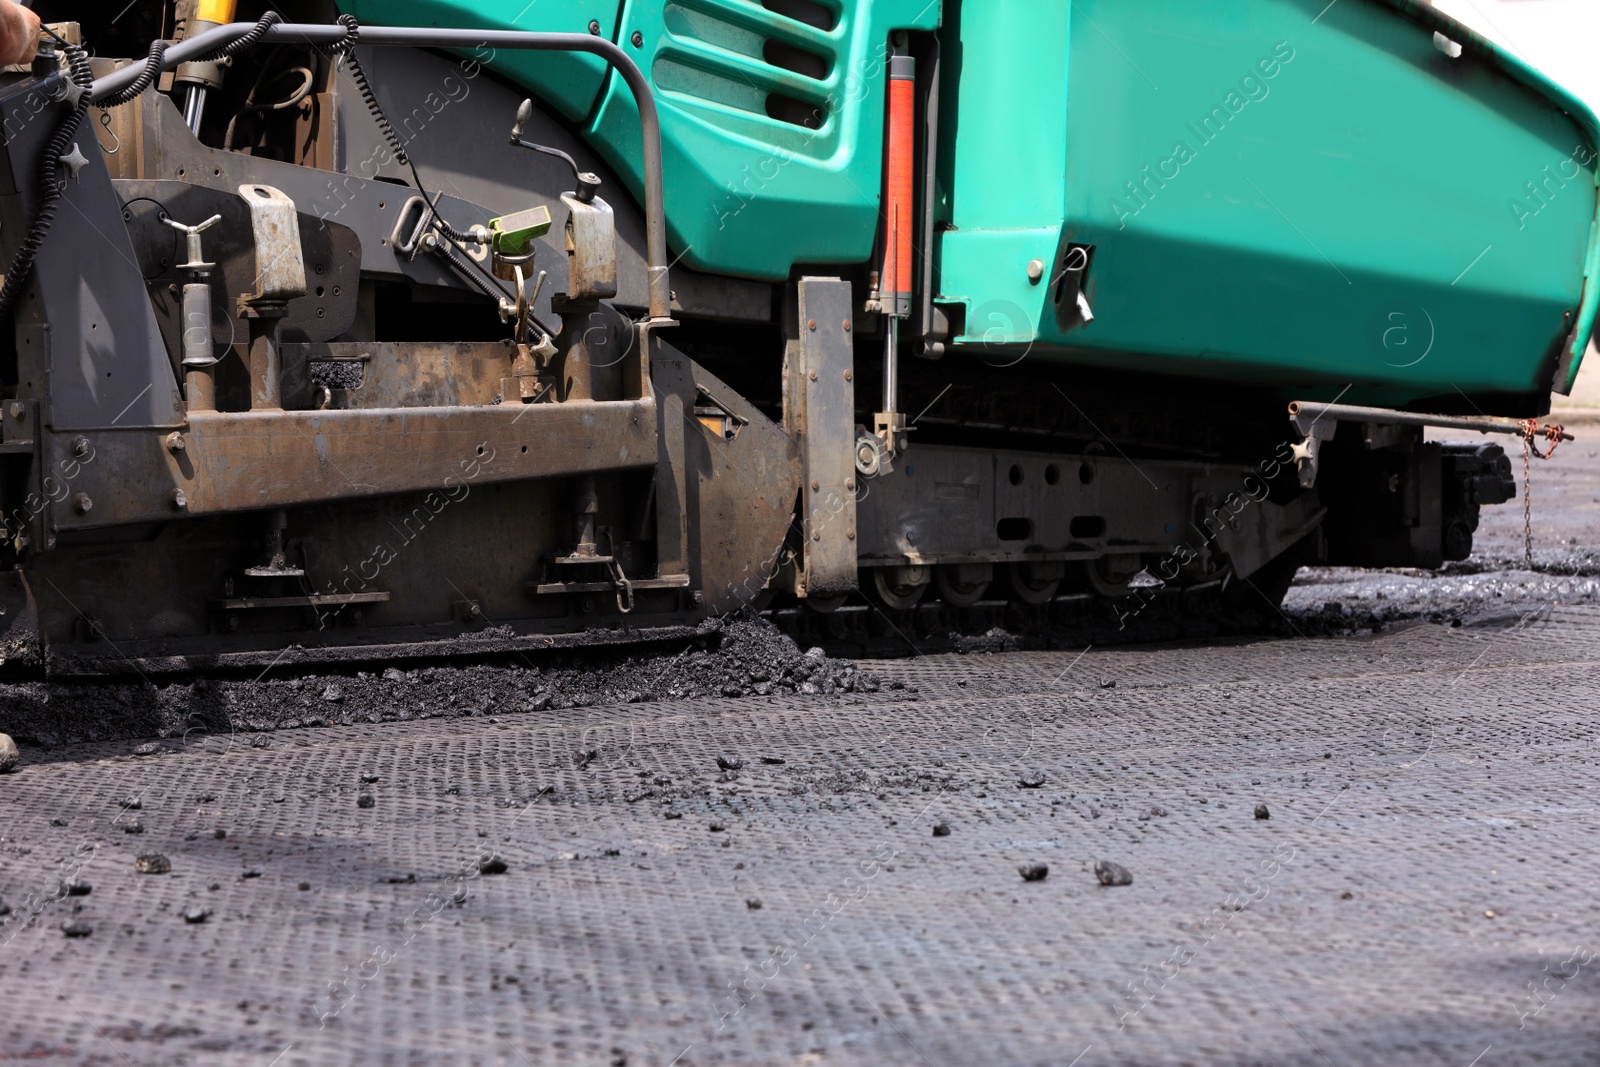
column 894, row 285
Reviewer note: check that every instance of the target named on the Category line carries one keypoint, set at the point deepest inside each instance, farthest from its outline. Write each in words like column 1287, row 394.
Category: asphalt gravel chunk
column 152, row 863
column 1034, row 872
column 1112, row 873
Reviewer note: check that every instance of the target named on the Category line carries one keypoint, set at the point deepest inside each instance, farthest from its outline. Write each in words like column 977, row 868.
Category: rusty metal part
column 820, row 413
column 153, row 660
column 280, row 263
column 723, row 505
column 591, row 249
column 242, row 460
column 1305, row 414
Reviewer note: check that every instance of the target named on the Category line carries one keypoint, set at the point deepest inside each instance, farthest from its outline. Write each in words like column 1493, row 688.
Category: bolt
column 232, row 622
column 180, row 500
column 812, row 375
column 699, row 597
column 848, row 375
column 911, row 537
column 846, row 325
column 175, row 441
column 594, row 27
column 637, row 39
column 19, row 410
column 80, row 446
column 850, row 484
column 1035, row 270
column 815, row 485
column 850, row 535
column 81, row 503
column 811, row 324
column 816, row 535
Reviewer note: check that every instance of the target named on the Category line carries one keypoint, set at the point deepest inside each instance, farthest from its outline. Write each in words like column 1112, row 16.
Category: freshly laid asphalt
column 758, row 879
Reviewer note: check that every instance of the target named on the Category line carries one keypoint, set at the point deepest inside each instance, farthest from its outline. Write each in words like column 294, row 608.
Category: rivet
column 811, row 324
column 815, row 485
column 82, row 504
column 816, row 535
column 638, row 39
column 846, row 325
column 812, row 375
column 175, row 442
column 19, row 410
column 1035, row 269
column 911, row 536
column 80, row 446
column 850, row 535
column 850, row 485
column 848, row 375
column 180, row 500
column 594, row 27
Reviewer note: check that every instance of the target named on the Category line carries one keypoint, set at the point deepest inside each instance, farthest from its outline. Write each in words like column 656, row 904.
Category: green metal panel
column 1011, row 132
column 748, row 193
column 565, row 81
column 1276, row 190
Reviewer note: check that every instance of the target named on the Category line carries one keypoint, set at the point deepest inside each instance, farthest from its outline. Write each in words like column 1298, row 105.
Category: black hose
column 345, row 50
column 50, row 181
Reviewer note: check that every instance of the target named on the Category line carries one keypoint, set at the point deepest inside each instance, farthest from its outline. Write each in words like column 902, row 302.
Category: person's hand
column 19, row 33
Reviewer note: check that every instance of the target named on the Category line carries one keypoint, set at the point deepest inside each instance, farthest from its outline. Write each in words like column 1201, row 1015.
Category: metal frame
column 410, row 37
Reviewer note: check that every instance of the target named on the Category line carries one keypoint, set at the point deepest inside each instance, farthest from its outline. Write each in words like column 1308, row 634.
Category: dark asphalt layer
column 756, row 878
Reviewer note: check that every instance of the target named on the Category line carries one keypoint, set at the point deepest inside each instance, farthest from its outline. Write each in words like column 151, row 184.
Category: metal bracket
column 591, row 249
column 280, row 263
column 1307, row 451
column 821, row 416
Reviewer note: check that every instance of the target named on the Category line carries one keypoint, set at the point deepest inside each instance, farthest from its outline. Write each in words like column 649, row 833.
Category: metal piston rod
column 1306, row 414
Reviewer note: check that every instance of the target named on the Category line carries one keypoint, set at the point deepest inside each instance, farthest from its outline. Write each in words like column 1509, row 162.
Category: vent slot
column 770, row 61
column 809, row 12
column 1087, row 528
column 1014, row 529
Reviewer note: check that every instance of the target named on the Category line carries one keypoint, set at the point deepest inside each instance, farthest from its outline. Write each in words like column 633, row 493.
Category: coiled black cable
column 249, row 40
column 147, row 77
column 345, row 51
column 51, row 183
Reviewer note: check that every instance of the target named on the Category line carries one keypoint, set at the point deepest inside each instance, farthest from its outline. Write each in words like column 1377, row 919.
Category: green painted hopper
column 1290, row 193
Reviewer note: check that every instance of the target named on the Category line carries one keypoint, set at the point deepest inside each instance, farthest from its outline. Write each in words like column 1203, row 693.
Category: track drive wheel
column 1034, row 582
column 899, row 588
column 962, row 585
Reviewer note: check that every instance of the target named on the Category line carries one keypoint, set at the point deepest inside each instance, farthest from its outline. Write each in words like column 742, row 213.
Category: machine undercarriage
column 329, row 362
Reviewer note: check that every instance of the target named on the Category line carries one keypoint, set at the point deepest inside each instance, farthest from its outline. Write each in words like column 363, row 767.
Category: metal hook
column 105, row 120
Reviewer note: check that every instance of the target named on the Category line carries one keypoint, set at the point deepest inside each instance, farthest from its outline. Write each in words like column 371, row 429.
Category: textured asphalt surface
column 1423, row 891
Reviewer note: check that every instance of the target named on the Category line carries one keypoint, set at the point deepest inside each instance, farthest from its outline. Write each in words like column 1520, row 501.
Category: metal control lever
column 198, row 354
column 588, row 183
column 196, row 267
